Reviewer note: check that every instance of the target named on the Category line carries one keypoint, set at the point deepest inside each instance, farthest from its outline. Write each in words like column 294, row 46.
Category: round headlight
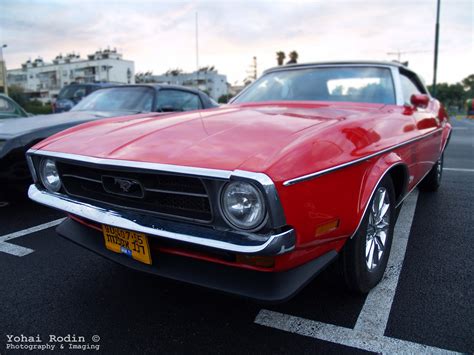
column 49, row 175
column 242, row 205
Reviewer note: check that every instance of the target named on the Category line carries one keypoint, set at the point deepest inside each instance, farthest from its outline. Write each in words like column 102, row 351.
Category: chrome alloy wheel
column 377, row 228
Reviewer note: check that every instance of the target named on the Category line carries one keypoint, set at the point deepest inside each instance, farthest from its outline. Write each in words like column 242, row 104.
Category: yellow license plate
column 126, row 242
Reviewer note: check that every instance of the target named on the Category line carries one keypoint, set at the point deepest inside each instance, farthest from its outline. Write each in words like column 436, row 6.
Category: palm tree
column 293, row 57
column 280, row 57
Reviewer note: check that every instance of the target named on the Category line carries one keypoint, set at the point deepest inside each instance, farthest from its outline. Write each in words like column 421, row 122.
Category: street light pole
column 197, row 52
column 435, row 68
column 4, row 70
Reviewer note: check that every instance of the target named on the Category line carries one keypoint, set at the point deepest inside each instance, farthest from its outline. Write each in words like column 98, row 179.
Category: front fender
column 340, row 196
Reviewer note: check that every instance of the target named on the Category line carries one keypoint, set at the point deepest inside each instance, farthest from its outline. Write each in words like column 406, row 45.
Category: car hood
column 18, row 126
column 223, row 138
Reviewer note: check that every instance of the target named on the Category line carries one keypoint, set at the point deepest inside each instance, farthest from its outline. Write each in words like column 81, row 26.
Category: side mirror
column 420, row 100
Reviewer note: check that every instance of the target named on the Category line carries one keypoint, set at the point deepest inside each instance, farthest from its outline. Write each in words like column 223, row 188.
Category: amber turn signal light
column 327, row 227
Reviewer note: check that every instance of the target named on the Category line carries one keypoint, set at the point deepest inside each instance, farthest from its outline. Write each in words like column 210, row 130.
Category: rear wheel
column 365, row 256
column 432, row 181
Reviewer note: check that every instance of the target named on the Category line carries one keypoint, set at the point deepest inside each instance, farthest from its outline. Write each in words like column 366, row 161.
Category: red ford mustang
column 308, row 163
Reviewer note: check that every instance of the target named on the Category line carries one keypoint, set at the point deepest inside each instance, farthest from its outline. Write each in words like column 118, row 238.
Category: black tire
column 358, row 276
column 432, row 181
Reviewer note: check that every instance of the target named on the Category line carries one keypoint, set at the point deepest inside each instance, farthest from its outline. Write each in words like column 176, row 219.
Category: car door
column 426, row 121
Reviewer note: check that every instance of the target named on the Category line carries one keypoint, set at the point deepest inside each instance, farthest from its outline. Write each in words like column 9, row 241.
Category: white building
column 48, row 79
column 206, row 79
column 2, row 77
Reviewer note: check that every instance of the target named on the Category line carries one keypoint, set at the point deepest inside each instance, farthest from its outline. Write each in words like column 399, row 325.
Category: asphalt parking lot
column 49, row 286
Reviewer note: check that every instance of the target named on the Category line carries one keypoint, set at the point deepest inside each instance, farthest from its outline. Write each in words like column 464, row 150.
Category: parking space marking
column 19, row 250
column 374, row 315
column 368, row 333
column 344, row 336
column 460, row 169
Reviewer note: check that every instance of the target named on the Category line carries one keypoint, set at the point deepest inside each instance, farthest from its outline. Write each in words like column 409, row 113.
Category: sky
column 160, row 35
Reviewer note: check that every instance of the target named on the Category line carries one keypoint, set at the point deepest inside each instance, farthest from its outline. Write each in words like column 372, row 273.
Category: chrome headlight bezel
column 257, row 197
column 49, row 175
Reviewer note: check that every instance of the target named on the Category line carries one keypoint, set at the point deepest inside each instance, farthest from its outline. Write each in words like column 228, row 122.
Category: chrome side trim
column 246, row 243
column 356, row 161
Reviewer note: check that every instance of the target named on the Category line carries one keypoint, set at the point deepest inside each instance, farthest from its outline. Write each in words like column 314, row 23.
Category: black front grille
column 164, row 194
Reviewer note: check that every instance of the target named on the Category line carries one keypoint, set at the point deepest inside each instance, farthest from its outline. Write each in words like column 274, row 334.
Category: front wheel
column 365, row 256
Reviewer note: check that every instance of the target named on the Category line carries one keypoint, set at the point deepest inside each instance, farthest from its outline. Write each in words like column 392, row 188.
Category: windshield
column 134, row 99
column 69, row 92
column 351, row 84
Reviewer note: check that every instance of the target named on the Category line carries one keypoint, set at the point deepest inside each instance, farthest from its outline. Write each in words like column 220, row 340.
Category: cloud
column 161, row 35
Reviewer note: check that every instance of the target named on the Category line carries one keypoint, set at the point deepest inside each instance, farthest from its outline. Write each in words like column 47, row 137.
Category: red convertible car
column 309, row 164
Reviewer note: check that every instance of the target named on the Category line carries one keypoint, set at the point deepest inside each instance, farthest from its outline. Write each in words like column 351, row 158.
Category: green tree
column 17, row 93
column 452, row 96
column 468, row 84
column 280, row 57
column 174, row 72
column 338, row 90
column 293, row 57
column 223, row 99
column 37, row 107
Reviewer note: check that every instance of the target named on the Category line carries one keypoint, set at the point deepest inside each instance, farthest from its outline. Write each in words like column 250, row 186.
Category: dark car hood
column 12, row 127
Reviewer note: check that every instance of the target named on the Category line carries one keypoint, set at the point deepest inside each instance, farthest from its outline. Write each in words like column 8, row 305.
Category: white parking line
column 344, row 336
column 460, row 169
column 368, row 333
column 374, row 315
column 19, row 250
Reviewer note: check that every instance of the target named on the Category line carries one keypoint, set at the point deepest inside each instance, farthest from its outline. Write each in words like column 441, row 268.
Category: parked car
column 309, row 163
column 71, row 94
column 470, row 108
column 10, row 109
column 18, row 135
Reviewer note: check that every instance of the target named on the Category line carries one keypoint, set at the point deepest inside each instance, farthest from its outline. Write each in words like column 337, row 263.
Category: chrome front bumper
column 237, row 242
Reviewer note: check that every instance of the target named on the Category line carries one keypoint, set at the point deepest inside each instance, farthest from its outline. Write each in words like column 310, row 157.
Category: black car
column 10, row 109
column 71, row 94
column 19, row 134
